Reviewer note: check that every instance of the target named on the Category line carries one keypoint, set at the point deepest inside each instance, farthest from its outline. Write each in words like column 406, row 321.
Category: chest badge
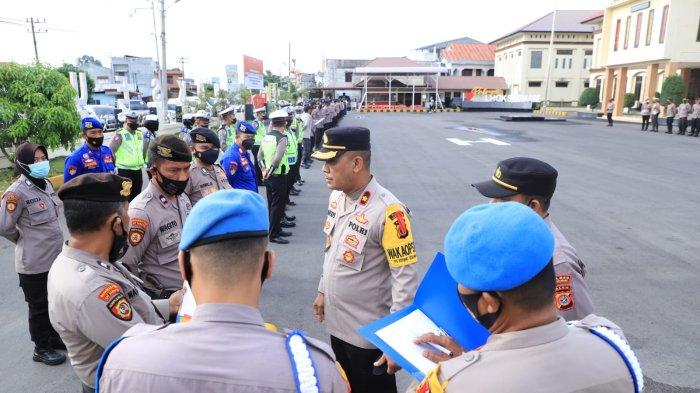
column 348, row 256
column 365, row 198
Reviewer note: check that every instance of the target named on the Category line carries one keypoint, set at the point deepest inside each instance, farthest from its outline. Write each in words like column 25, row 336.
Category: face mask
column 471, row 303
column 208, row 157
column 132, row 126
column 95, row 142
column 172, row 187
column 248, row 144
column 119, row 246
column 39, row 170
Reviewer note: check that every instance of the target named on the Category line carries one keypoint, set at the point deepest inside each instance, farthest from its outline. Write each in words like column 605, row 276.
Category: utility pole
column 289, row 67
column 163, row 68
column 182, row 61
column 550, row 55
column 34, row 32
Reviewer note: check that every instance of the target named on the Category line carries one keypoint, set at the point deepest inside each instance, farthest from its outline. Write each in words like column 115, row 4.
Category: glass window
column 662, row 32
column 638, row 30
column 565, row 51
column 561, row 84
column 534, row 83
column 536, row 59
column 589, row 52
column 617, row 34
column 570, row 62
column 698, row 37
column 585, row 63
column 586, row 84
column 650, row 26
column 627, row 31
column 556, row 63
column 348, row 77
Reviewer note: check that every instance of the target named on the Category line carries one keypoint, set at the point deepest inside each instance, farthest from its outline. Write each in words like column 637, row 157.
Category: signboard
column 259, row 100
column 479, row 94
column 253, row 73
column 232, row 76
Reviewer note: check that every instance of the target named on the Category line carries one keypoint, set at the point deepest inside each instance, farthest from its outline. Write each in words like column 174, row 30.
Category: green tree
column 269, row 77
column 629, row 100
column 85, row 59
column 673, row 89
column 36, row 104
column 66, row 68
column 242, row 95
column 589, row 97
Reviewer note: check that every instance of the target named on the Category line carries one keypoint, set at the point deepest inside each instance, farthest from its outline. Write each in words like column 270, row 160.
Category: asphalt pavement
column 627, row 200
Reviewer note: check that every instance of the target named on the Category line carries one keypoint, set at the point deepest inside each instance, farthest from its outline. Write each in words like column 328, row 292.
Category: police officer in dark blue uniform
column 92, row 157
column 237, row 162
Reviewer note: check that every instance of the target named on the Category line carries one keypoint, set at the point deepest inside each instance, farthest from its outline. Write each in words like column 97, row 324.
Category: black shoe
column 288, row 224
column 48, row 356
column 284, row 234
column 295, row 189
column 300, row 182
column 290, row 218
column 279, row 240
column 294, row 193
column 291, row 203
column 669, row 132
column 57, row 343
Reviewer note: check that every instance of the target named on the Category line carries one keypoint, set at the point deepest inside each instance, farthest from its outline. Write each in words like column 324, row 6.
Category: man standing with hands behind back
column 369, row 265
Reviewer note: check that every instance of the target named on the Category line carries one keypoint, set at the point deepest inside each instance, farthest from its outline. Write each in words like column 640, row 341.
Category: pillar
column 685, row 74
column 620, row 90
column 670, row 69
column 607, row 86
column 651, row 81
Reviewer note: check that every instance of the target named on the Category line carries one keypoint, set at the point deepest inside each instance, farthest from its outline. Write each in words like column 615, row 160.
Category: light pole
column 163, row 67
column 550, row 54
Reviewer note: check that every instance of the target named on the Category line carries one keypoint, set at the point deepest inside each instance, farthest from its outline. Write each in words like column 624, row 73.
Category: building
column 639, row 43
column 469, row 59
column 433, row 52
column 338, row 77
column 523, row 58
column 136, row 71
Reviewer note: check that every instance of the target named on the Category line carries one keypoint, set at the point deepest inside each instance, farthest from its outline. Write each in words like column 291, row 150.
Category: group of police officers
column 108, row 294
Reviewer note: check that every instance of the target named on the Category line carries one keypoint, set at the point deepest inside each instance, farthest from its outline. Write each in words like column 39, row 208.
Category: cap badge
column 498, row 173
column 126, row 188
column 325, row 138
column 164, row 152
column 242, row 128
column 201, row 138
column 88, row 124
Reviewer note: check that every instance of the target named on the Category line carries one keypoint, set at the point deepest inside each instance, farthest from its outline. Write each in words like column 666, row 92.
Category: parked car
column 105, row 114
column 136, row 105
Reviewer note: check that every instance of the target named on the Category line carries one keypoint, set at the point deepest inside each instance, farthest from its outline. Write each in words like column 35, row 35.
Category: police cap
column 205, row 135
column 243, row 127
column 520, row 175
column 90, row 123
column 170, row 147
column 340, row 139
column 96, row 187
column 278, row 114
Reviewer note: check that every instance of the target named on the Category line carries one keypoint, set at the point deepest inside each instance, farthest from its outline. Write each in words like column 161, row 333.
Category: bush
column 629, row 100
column 673, row 89
column 589, row 96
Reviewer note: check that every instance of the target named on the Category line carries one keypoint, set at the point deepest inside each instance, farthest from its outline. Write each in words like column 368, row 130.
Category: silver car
column 105, row 114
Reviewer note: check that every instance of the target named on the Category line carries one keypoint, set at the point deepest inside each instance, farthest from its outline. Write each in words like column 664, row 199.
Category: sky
column 213, row 33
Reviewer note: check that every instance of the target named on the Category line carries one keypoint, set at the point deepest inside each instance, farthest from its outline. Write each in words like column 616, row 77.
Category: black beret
column 171, row 148
column 342, row 139
column 520, row 175
column 205, row 135
column 97, row 187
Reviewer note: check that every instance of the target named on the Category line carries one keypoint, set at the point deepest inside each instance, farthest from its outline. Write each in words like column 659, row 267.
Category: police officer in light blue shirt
column 237, row 162
column 92, row 157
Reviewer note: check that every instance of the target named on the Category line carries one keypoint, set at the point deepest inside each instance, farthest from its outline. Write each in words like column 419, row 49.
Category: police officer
column 238, row 162
column 260, row 125
column 93, row 299
column 29, row 219
column 225, row 133
column 292, row 154
column 187, row 123
column 274, row 164
column 151, row 125
column 128, row 147
column 369, row 266
column 201, row 119
column 157, row 215
column 225, row 347
column 206, row 175
column 532, row 182
column 93, row 156
column 300, row 142
column 501, row 257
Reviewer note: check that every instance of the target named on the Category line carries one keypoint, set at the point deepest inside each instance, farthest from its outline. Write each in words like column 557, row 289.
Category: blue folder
column 437, row 298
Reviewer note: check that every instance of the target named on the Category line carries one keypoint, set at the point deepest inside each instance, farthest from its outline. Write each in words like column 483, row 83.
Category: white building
column 136, row 71
column 469, row 59
column 522, row 57
column 339, row 78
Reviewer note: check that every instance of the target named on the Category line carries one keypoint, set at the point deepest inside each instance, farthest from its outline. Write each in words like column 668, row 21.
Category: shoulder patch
column 11, row 201
column 232, row 167
column 120, row 307
column 397, row 239
column 72, row 170
column 564, row 295
column 137, row 230
column 108, row 292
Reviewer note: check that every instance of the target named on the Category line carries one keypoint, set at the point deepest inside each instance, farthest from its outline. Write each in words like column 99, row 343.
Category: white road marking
column 461, row 142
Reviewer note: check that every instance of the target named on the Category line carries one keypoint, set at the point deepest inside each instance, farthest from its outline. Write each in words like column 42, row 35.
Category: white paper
column 188, row 305
column 400, row 335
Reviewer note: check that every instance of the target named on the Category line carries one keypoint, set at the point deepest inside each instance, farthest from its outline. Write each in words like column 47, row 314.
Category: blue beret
column 243, row 127
column 225, row 214
column 89, row 123
column 497, row 246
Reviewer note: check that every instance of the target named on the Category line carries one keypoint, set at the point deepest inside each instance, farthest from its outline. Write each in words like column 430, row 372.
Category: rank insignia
column 11, row 202
column 334, row 205
column 365, row 198
column 348, row 256
column 352, row 241
column 361, row 218
column 72, row 170
column 126, row 188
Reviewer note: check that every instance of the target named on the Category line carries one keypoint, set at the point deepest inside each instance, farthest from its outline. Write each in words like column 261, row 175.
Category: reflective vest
column 291, row 151
column 268, row 145
column 129, row 155
column 230, row 136
column 260, row 132
column 300, row 129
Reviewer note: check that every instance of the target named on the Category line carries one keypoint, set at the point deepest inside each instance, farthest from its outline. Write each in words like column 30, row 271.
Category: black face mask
column 170, row 186
column 188, row 267
column 248, row 144
column 119, row 245
column 471, row 303
column 208, row 157
column 132, row 126
column 95, row 142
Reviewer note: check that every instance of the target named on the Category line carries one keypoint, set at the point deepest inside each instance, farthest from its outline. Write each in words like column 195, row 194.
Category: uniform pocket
column 39, row 213
column 349, row 258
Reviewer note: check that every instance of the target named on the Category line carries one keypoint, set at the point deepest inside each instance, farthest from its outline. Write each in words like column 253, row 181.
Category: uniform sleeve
column 400, row 251
column 226, row 166
column 163, row 306
column 140, row 236
column 222, row 138
column 261, row 162
column 70, row 168
column 281, row 147
column 12, row 205
column 115, row 142
column 146, row 144
column 571, row 297
column 106, row 314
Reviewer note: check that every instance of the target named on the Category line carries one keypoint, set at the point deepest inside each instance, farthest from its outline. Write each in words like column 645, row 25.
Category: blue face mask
column 39, row 170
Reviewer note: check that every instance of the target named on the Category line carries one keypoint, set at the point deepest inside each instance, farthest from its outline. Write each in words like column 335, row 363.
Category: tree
column 589, row 97
column 36, row 104
column 66, row 68
column 85, row 59
column 242, row 95
column 629, row 100
column 673, row 89
column 269, row 77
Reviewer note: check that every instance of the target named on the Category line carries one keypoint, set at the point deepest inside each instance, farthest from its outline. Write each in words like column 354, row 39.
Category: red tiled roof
column 595, row 16
column 392, row 62
column 470, row 82
column 475, row 52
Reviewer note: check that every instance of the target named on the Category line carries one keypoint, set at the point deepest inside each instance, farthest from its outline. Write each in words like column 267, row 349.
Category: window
column 638, row 30
column 586, row 84
column 561, row 84
column 650, row 25
column 536, row 59
column 627, row 32
column 519, row 53
column 348, row 77
column 534, row 84
column 478, row 72
column 556, row 63
column 698, row 37
column 585, row 63
column 589, row 52
column 170, row 80
column 570, row 61
column 565, row 51
column 617, row 34
column 664, row 17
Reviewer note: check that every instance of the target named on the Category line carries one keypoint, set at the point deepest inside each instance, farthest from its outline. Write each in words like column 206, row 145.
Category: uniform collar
column 527, row 338
column 85, row 257
column 159, row 194
column 228, row 312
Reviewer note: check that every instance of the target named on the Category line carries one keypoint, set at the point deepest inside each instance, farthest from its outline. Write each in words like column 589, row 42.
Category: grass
column 7, row 175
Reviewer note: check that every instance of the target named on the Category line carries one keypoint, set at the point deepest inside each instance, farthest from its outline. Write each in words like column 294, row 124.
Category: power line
column 34, row 32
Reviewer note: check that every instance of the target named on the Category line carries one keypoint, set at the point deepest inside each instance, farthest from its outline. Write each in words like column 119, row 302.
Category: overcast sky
column 213, row 33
